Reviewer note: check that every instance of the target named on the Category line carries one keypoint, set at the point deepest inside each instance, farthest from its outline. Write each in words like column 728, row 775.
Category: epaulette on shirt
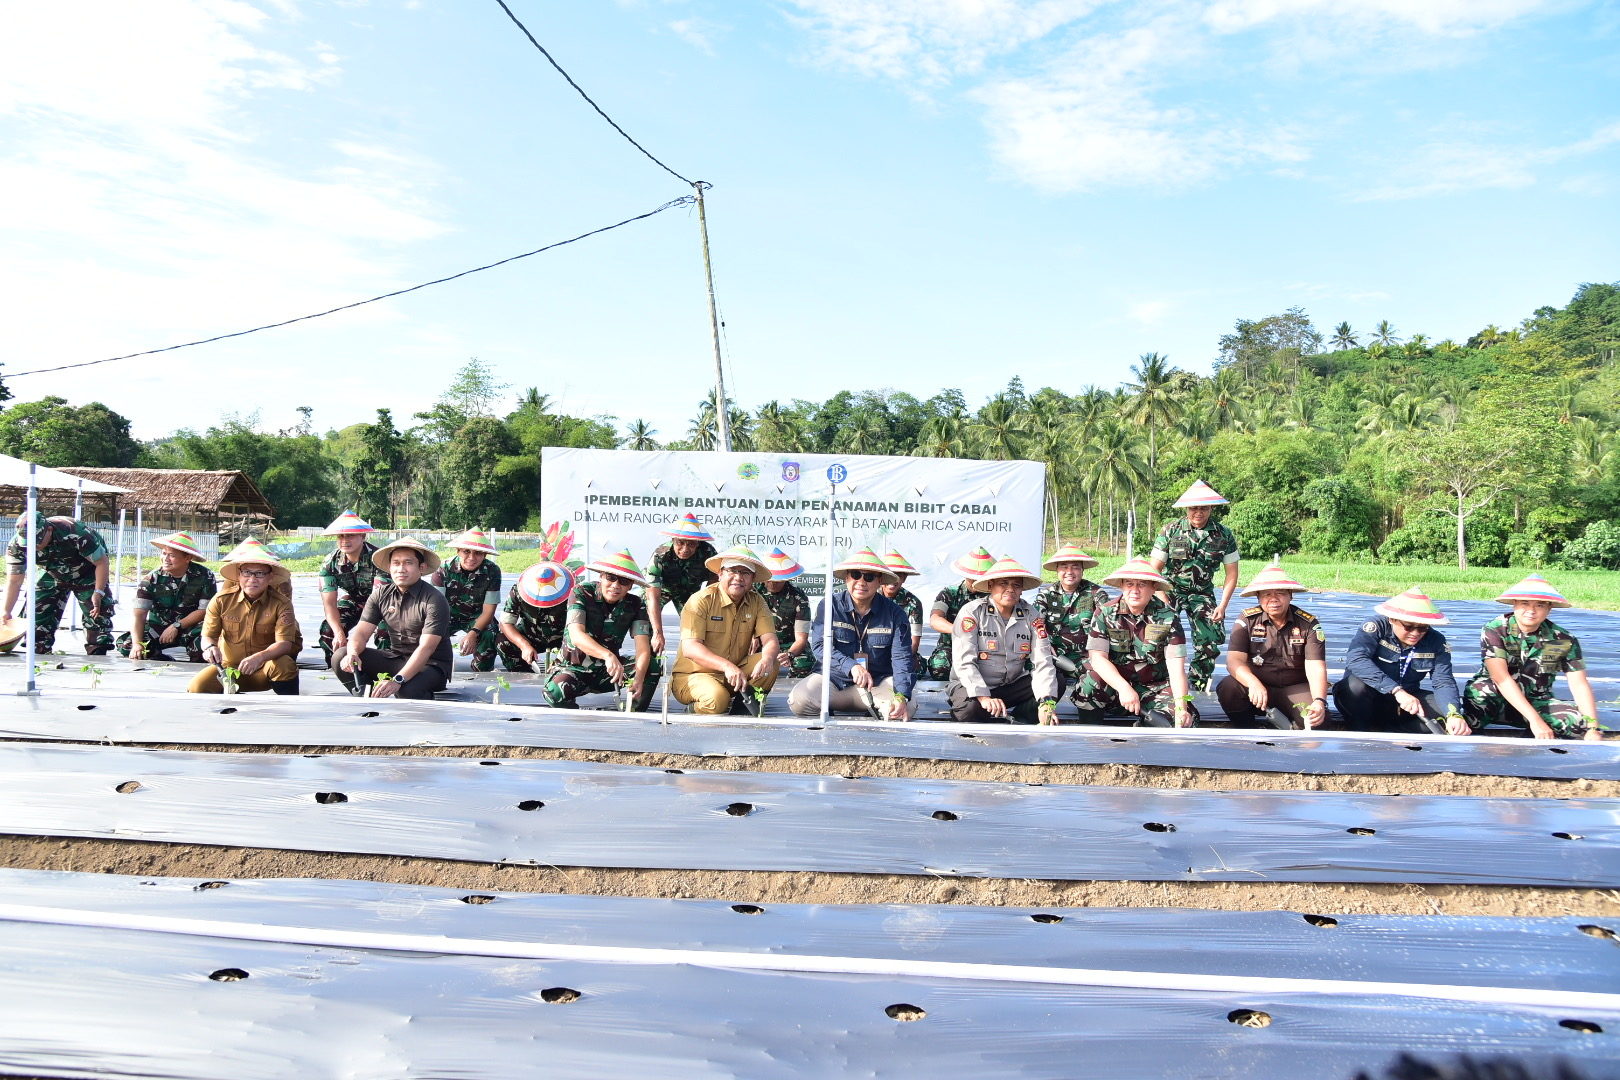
column 1305, row 616
column 1256, row 610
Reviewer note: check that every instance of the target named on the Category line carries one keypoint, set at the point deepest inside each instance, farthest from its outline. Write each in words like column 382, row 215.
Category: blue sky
column 912, row 194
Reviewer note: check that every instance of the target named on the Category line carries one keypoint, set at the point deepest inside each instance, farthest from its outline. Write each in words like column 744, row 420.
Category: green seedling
column 629, row 692
column 95, row 672
column 231, row 677
column 377, row 683
column 500, row 685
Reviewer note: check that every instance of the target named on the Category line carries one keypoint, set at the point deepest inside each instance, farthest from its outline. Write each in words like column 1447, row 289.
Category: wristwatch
column 400, row 679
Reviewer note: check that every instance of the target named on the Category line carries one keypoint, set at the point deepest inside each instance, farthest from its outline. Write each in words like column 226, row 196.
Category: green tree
column 1344, row 337
column 639, row 436
column 52, row 432
column 381, row 459
column 294, row 471
column 491, row 484
column 1261, row 529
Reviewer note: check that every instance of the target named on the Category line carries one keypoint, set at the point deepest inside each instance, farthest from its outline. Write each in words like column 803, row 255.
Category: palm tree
column 942, row 436
column 1116, row 471
column 1491, row 335
column 1594, row 450
column 639, row 436
column 1344, row 337
column 1385, row 334
column 777, row 429
column 534, row 401
column 1155, row 402
column 999, row 433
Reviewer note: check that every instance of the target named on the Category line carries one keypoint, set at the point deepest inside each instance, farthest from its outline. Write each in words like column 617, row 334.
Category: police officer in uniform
column 1389, row 660
column 1277, row 660
column 1002, row 669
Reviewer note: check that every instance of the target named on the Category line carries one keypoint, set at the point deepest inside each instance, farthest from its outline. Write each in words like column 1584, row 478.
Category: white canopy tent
column 32, row 478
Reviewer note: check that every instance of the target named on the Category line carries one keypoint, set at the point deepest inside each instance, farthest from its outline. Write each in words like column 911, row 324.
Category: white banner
column 931, row 510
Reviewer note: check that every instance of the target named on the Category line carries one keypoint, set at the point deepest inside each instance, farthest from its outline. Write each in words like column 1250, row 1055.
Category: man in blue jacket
column 1390, row 659
column 873, row 669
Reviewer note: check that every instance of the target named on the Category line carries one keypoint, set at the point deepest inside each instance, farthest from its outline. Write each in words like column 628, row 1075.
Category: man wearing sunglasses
column 873, row 670
column 1389, row 660
column 717, row 670
column 601, row 614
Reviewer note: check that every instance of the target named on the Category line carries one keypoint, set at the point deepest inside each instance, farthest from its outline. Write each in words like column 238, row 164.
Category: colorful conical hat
column 1138, row 570
column 545, row 584
column 1534, row 587
column 1007, row 568
column 864, row 559
column 783, row 567
column 622, row 565
column 897, row 562
column 739, row 553
column 1412, row 606
column 252, row 550
column 347, row 522
column 974, row 564
column 473, row 540
column 1200, row 494
column 430, row 558
column 181, row 542
column 1069, row 553
column 1272, row 578
column 688, row 529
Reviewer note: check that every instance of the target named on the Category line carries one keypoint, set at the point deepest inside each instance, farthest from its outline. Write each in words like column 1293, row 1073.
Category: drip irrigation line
column 685, row 200
column 581, row 92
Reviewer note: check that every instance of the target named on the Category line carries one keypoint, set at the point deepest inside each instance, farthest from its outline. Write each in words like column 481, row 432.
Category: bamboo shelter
column 226, row 502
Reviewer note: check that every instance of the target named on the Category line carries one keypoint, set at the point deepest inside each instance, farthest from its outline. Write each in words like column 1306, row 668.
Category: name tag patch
column 717, row 618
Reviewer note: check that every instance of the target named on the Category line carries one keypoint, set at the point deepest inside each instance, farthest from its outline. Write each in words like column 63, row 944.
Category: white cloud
column 1428, row 16
column 699, row 33
column 1447, row 167
column 1150, row 311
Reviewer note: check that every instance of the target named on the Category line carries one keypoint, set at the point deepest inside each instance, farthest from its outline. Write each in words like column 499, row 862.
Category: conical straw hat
column 864, row 559
column 1138, row 570
column 974, row 564
column 252, row 550
column 783, row 567
column 1069, row 553
column 545, row 584
column 347, row 522
column 1534, row 587
column 1200, row 494
column 181, row 542
column 1007, row 568
column 1412, row 606
column 622, row 565
column 688, row 529
column 430, row 558
column 1271, row 578
column 739, row 553
column 897, row 562
column 473, row 540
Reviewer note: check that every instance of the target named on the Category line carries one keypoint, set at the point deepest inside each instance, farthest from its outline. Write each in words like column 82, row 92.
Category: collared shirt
column 170, row 599
column 989, row 650
column 1191, row 556
column 411, row 615
column 1139, row 646
column 882, row 636
column 912, row 606
column 950, row 600
column 608, row 624
column 469, row 590
column 241, row 627
column 541, row 627
column 678, row 579
column 1534, row 660
column 352, row 581
column 74, row 546
column 791, row 610
column 1278, row 653
column 728, row 629
column 1377, row 658
column 1068, row 615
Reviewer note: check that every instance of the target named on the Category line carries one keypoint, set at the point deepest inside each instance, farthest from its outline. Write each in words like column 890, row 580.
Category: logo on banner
column 748, row 470
column 837, row 474
column 790, row 472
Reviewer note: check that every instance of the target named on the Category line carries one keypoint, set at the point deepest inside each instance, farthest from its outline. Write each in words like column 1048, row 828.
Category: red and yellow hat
column 897, row 562
column 347, row 522
column 975, row 564
column 1200, row 494
column 783, row 567
column 1069, row 553
column 1137, row 570
column 864, row 559
column 473, row 540
column 1412, row 606
column 1007, row 568
column 688, row 529
column 181, row 542
column 1534, row 587
column 622, row 565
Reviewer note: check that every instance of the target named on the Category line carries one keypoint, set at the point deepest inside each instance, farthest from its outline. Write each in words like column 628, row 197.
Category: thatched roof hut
column 197, row 500
column 55, row 490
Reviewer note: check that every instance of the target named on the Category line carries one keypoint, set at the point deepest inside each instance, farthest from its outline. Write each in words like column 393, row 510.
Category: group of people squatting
column 391, row 614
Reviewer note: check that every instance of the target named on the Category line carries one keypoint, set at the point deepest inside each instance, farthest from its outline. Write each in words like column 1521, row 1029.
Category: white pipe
column 30, row 610
column 118, row 560
column 826, row 604
column 791, row 962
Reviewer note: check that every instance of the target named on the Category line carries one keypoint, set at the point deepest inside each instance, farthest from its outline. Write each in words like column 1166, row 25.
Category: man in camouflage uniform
column 1136, row 654
column 1067, row 606
column 71, row 560
column 472, row 584
column 347, row 577
column 527, row 629
column 1188, row 551
column 676, row 571
column 948, row 604
column 1521, row 655
column 601, row 614
column 170, row 603
column 790, row 607
column 909, row 602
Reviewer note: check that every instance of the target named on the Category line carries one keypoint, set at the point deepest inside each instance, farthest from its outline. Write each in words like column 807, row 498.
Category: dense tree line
column 1359, row 445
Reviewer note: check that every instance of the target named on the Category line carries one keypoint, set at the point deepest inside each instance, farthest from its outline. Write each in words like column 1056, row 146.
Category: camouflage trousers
column 938, row 665
column 349, row 615
column 567, row 681
column 801, row 666
column 1484, row 704
column 51, row 600
column 483, row 655
column 189, row 639
column 1205, row 637
column 1096, row 699
column 512, row 657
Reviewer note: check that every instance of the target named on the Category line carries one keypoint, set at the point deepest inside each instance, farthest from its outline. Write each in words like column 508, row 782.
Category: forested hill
column 1355, row 442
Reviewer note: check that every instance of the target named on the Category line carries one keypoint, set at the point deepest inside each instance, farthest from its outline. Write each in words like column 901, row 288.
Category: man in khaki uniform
column 716, row 668
column 1002, row 666
column 249, row 626
column 1277, row 656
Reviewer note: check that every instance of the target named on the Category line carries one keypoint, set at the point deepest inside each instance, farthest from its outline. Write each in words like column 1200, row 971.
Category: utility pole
column 721, row 420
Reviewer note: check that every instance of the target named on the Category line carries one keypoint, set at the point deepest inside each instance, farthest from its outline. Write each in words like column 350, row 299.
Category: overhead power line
column 685, row 200
column 579, row 90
